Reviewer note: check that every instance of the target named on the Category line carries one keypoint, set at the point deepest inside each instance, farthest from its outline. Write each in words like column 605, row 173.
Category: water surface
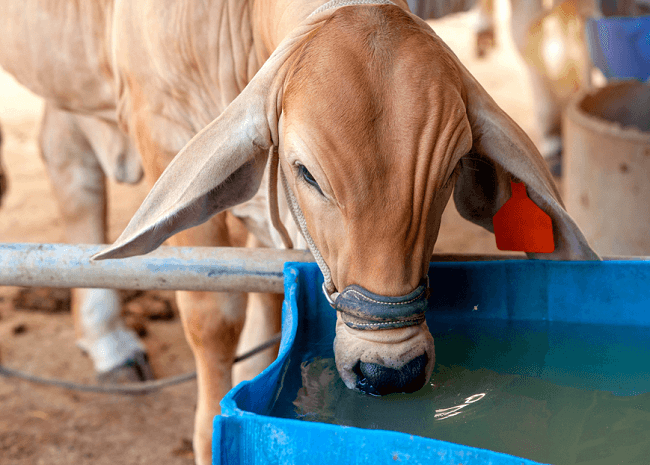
column 554, row 393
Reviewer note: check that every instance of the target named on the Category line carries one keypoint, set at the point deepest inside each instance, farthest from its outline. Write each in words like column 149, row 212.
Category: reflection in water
column 514, row 414
column 443, row 413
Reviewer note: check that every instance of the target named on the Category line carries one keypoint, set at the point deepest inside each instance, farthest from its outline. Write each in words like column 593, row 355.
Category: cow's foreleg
column 263, row 320
column 212, row 323
column 79, row 185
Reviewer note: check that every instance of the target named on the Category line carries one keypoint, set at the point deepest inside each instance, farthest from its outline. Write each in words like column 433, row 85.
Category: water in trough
column 552, row 392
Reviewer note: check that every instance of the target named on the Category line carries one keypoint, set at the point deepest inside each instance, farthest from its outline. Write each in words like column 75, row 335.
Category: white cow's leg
column 485, row 28
column 79, row 185
column 553, row 47
column 548, row 111
column 212, row 323
column 526, row 26
column 116, row 352
column 263, row 320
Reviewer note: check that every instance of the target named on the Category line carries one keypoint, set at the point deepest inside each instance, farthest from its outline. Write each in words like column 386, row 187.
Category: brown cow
column 363, row 117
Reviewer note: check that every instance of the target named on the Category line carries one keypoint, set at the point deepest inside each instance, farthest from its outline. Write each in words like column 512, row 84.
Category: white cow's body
column 61, row 51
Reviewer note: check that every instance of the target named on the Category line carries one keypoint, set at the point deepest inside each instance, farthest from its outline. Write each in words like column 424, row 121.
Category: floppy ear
column 222, row 166
column 502, row 152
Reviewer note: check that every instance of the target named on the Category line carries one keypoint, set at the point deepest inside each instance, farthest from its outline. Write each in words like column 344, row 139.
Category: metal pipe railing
column 221, row 269
column 218, row 269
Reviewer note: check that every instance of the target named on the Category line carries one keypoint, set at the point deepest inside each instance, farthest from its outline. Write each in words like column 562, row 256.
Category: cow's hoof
column 134, row 370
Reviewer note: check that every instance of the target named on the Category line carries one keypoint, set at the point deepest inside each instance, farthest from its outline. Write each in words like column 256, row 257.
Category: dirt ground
column 46, row 425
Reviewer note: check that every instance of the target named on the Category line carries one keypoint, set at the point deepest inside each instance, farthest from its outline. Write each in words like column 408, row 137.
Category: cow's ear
column 222, row 166
column 502, row 152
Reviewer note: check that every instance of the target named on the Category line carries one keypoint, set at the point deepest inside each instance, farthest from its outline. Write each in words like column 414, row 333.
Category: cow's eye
column 304, row 173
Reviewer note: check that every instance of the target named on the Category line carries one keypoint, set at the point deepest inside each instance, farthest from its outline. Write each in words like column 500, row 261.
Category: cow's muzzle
column 383, row 344
column 378, row 380
column 364, row 310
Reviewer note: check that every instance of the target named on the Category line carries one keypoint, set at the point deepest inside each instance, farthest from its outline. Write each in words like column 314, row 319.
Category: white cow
column 68, row 63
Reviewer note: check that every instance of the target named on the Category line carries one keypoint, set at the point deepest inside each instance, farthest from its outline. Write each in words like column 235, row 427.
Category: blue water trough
column 587, row 325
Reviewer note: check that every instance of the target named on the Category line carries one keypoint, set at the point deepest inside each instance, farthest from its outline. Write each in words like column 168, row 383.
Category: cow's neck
column 274, row 19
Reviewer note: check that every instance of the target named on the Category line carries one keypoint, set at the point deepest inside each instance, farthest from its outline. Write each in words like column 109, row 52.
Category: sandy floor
column 40, row 425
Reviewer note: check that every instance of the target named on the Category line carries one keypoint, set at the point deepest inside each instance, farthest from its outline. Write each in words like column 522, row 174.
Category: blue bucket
column 620, row 46
column 478, row 302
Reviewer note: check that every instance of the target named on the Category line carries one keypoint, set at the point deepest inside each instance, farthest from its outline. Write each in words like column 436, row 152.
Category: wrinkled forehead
column 368, row 71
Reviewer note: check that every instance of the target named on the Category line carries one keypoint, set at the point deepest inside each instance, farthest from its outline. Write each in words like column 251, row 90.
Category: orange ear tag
column 522, row 226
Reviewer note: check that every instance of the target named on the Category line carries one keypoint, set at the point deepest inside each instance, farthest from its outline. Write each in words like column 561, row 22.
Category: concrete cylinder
column 606, row 166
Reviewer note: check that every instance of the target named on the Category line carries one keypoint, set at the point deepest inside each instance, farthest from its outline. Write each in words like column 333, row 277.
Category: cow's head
column 372, row 116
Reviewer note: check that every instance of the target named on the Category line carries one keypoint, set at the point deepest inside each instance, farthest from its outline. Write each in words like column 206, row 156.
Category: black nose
column 378, row 380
